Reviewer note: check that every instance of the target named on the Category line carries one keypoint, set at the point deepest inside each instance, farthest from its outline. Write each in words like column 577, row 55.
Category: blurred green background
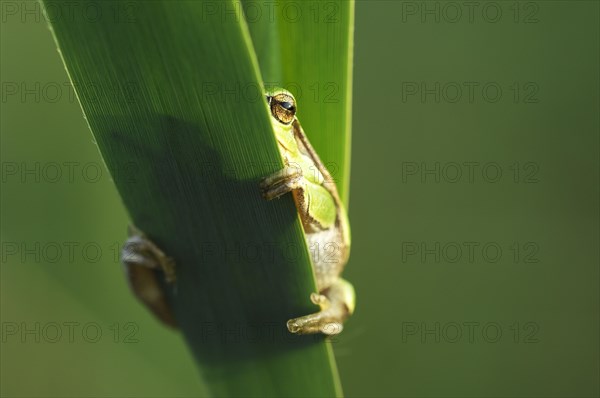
column 469, row 282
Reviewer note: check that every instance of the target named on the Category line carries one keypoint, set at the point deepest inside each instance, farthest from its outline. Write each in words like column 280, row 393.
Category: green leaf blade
column 186, row 160
column 317, row 69
column 186, row 155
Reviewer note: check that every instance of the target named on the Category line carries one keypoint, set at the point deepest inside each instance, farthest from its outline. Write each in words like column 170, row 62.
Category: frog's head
column 282, row 105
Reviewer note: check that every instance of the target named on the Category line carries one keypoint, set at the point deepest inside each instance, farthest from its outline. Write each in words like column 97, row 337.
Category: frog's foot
column 337, row 304
column 281, row 182
column 141, row 259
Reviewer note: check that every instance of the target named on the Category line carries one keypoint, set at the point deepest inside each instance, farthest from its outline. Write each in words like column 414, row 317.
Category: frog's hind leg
column 142, row 259
column 337, row 304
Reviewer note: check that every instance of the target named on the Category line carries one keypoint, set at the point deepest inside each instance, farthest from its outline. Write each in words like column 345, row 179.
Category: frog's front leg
column 142, row 259
column 281, row 182
column 337, row 304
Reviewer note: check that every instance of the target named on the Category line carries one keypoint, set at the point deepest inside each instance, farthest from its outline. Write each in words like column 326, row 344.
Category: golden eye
column 283, row 107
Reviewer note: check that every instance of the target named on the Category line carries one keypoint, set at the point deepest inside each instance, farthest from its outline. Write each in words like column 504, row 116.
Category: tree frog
column 322, row 215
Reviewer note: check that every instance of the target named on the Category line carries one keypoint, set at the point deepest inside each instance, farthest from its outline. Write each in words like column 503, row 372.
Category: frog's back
column 329, row 248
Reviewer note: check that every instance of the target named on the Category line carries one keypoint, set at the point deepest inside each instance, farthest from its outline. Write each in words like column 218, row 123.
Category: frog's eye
column 283, row 108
